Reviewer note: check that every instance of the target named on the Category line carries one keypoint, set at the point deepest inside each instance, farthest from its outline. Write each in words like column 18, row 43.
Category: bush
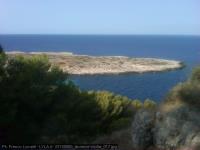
column 190, row 93
column 149, row 104
column 26, row 95
column 116, row 110
column 196, row 75
column 187, row 92
column 1, row 49
column 137, row 104
column 2, row 63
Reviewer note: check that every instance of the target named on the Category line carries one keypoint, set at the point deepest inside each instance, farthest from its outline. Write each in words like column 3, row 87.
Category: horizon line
column 100, row 34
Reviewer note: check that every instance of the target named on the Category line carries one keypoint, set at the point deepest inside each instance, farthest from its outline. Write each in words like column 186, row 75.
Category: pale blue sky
column 100, row 17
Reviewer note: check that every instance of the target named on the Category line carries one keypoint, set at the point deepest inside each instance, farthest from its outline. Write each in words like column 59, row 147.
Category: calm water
column 140, row 86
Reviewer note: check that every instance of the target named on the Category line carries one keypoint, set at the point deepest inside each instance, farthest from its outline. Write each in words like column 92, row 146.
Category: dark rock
column 142, row 129
column 176, row 129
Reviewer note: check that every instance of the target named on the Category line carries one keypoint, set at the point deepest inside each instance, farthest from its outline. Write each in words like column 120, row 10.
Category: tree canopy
column 39, row 104
column 1, row 49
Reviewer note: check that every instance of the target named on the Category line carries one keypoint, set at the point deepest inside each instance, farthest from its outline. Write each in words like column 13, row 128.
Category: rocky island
column 84, row 64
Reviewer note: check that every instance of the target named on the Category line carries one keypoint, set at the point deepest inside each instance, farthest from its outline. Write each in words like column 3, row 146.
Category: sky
column 179, row 17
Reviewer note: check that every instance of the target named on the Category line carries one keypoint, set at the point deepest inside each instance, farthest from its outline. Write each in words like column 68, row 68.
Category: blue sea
column 135, row 86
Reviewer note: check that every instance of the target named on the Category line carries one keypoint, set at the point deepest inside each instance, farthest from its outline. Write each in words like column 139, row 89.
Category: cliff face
column 175, row 129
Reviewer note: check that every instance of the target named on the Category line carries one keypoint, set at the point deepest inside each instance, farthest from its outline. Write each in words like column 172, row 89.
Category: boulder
column 142, row 129
column 176, row 129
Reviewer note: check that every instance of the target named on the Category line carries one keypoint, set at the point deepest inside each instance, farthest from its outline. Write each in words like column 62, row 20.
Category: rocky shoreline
column 84, row 64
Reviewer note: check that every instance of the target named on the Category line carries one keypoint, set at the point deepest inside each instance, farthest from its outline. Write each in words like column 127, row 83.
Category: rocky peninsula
column 84, row 64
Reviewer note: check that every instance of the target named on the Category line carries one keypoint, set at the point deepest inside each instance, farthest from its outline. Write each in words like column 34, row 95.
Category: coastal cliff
column 84, row 64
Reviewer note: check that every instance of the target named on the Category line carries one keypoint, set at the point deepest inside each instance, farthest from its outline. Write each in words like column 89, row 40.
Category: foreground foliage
column 39, row 104
column 187, row 92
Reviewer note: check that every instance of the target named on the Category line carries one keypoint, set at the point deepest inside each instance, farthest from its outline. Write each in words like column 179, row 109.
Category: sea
column 153, row 85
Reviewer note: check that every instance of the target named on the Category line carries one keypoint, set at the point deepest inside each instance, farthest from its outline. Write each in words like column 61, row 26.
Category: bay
column 136, row 86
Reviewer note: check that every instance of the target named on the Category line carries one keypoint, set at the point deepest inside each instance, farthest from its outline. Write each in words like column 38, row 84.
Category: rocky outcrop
column 142, row 129
column 177, row 129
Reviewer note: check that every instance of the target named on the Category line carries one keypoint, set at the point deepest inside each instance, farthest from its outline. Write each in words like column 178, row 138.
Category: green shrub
column 1, row 49
column 190, row 93
column 2, row 63
column 137, row 104
column 196, row 75
column 187, row 92
column 114, row 108
column 149, row 104
column 121, row 123
column 26, row 96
